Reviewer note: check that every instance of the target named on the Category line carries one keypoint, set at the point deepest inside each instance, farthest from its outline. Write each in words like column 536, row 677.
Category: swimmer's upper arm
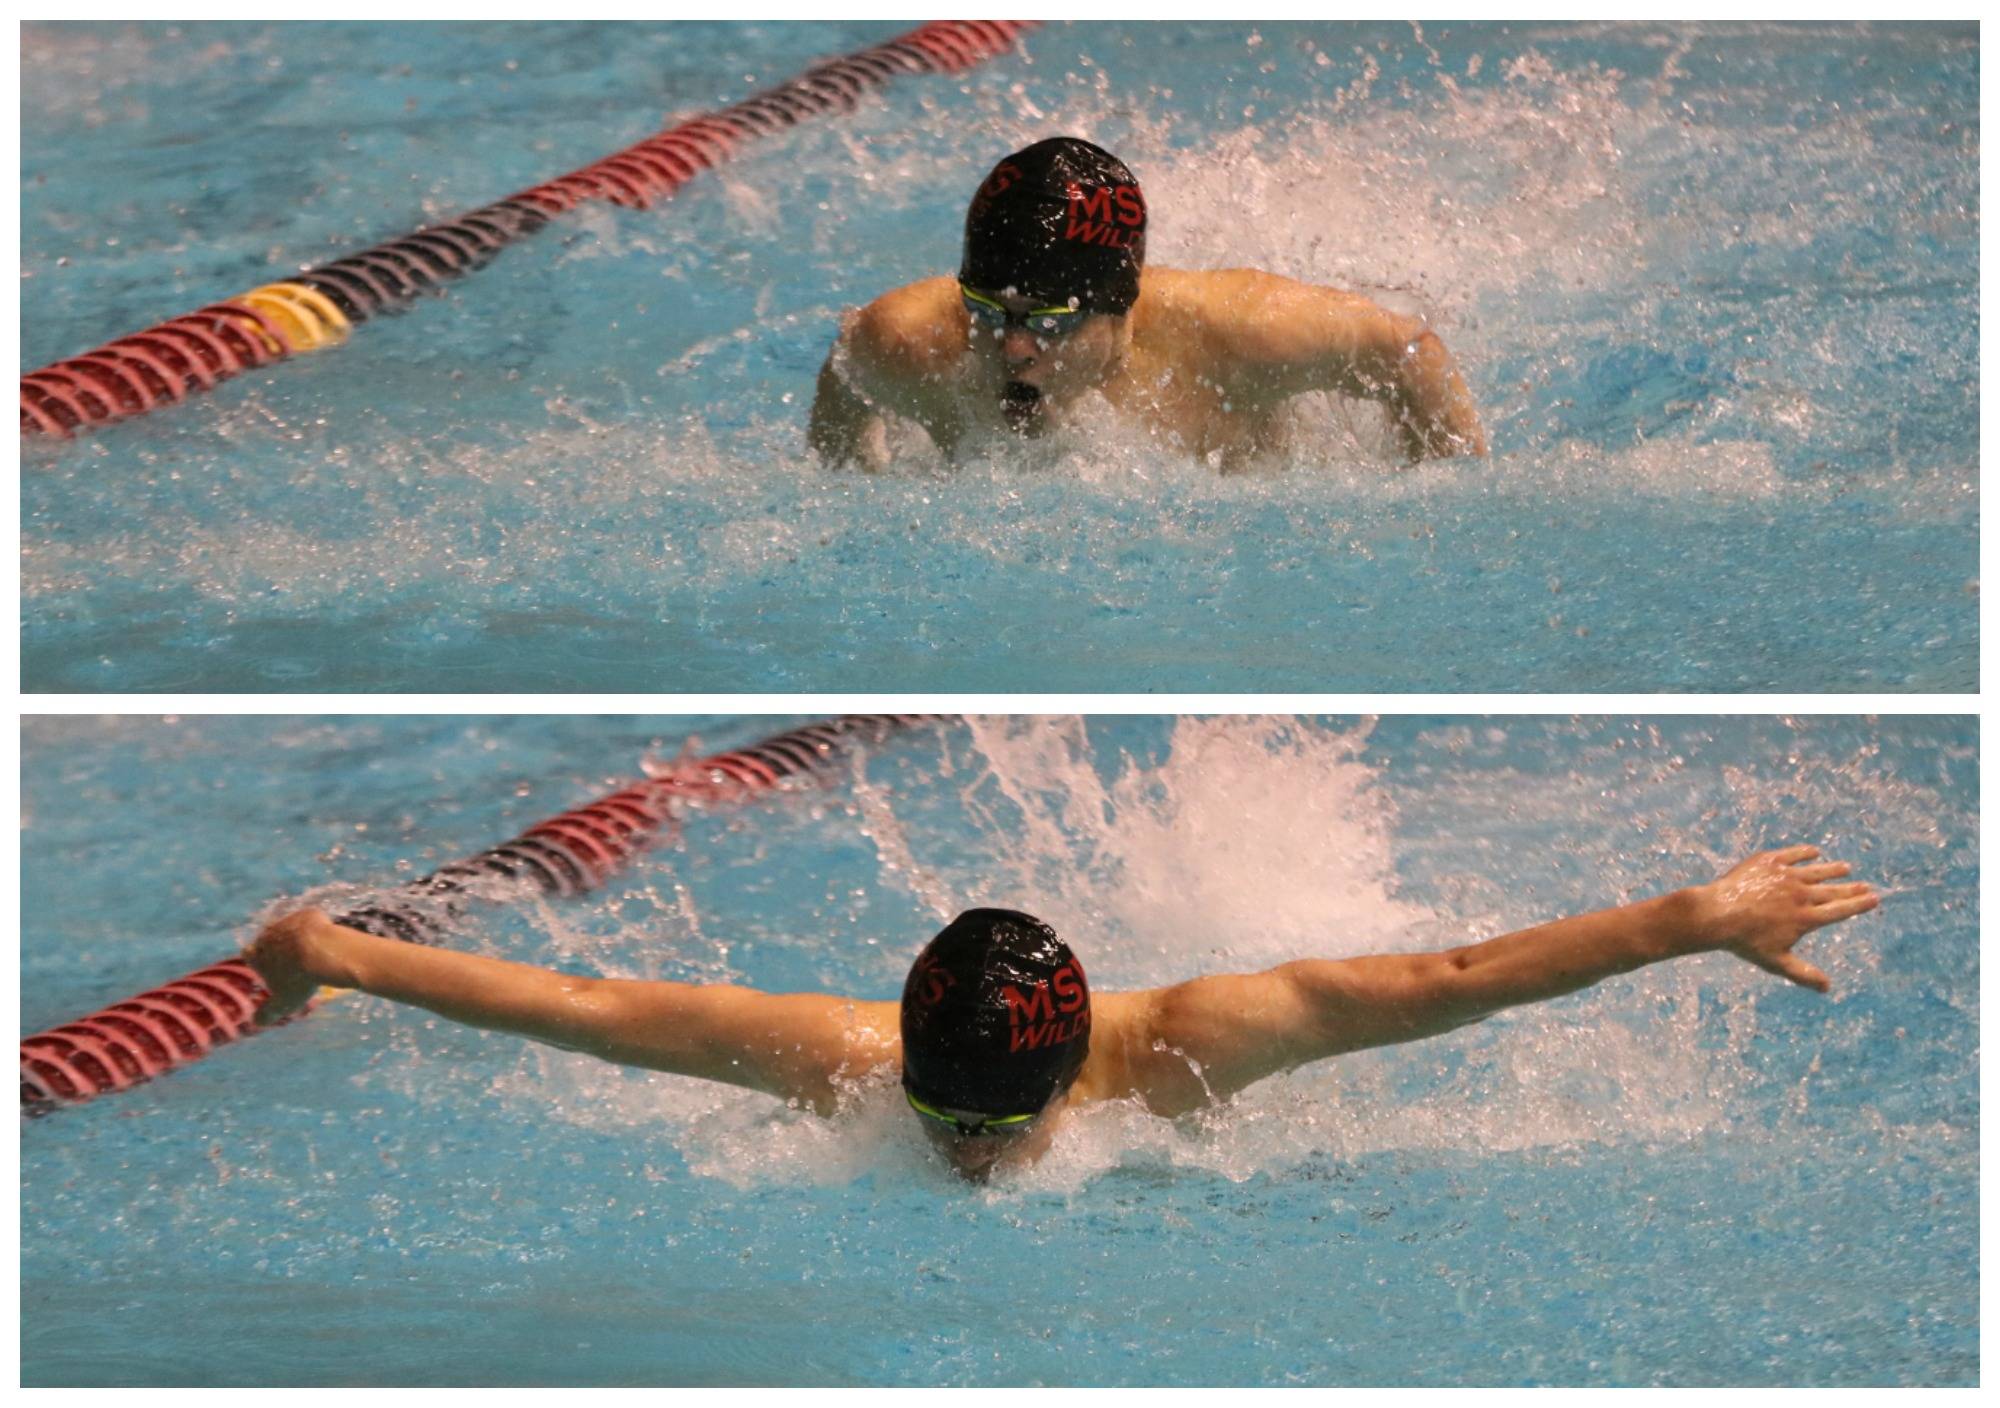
column 1282, row 337
column 1202, row 1041
column 911, row 331
column 792, row 1045
column 892, row 355
column 901, row 347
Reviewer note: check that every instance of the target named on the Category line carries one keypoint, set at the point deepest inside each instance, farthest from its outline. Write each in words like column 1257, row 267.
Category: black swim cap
column 1063, row 219
column 996, row 1015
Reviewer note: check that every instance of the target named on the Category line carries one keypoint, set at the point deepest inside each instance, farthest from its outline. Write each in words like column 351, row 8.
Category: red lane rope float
column 171, row 1025
column 318, row 307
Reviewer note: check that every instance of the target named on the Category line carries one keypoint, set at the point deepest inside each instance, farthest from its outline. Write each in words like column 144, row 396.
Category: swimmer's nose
column 1020, row 347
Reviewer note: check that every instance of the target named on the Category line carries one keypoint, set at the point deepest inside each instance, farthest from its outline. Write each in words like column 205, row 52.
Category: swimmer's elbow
column 1421, row 345
column 1408, row 359
column 1381, row 1001
column 1425, row 987
column 564, row 1010
column 1457, row 989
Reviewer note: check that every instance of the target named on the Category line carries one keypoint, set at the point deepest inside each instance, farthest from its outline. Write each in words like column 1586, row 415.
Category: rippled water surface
column 1691, row 1175
column 1715, row 288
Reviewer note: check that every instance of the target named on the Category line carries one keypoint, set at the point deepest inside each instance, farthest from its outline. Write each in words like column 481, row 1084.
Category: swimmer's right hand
column 288, row 957
column 1763, row 906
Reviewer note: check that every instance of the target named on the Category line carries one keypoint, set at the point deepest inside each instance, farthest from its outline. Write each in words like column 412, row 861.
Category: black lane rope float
column 164, row 1028
column 317, row 308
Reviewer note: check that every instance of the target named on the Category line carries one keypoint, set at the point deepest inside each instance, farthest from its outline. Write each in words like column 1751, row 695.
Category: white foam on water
column 610, row 533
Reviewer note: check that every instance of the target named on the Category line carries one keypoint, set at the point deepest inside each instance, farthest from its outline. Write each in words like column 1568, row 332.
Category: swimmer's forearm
column 832, row 428
column 558, row 1008
column 1568, row 955
column 843, row 429
column 1382, row 1000
column 1434, row 409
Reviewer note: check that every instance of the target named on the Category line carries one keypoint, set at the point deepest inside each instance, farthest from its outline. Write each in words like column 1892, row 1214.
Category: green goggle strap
column 988, row 1122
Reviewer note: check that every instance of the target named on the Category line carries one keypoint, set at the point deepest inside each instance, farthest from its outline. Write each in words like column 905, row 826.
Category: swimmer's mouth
column 1020, row 403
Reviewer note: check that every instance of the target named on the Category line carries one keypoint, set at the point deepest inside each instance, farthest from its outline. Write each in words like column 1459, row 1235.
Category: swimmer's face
column 1057, row 356
column 976, row 1157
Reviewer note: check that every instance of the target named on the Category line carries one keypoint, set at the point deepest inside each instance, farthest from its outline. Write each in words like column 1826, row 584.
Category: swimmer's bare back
column 1171, row 1050
column 1204, row 360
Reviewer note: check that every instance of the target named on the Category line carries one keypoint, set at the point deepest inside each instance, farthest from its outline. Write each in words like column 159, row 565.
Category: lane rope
column 318, row 307
column 177, row 1023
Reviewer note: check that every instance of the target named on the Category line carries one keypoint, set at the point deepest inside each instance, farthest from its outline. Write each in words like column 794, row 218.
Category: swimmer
column 998, row 1036
column 1053, row 304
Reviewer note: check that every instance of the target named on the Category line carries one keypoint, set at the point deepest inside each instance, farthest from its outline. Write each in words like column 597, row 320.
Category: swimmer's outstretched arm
column 1289, row 337
column 1239, row 1029
column 791, row 1045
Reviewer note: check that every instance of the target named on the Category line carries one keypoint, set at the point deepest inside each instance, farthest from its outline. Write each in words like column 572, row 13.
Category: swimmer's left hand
column 1762, row 907
column 284, row 956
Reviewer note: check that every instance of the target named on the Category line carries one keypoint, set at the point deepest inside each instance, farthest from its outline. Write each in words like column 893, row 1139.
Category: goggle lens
column 1043, row 322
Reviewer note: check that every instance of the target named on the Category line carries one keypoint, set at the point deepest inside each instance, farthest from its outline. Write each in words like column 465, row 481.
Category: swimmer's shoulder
column 914, row 330
column 1119, row 1022
column 1211, row 294
column 1241, row 320
column 1196, row 308
column 1171, row 294
column 874, row 1029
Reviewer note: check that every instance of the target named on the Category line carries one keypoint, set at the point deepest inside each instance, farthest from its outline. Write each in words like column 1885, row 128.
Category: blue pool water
column 1692, row 1175
column 1715, row 287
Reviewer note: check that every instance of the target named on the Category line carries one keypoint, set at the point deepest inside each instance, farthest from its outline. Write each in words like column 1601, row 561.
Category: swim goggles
column 989, row 311
column 967, row 1122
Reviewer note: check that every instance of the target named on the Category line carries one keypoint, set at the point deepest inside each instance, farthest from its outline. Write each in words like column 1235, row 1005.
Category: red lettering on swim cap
column 1050, row 1033
column 1096, row 212
column 1090, row 203
column 1037, row 1006
column 937, row 981
column 1001, row 177
column 1068, row 983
